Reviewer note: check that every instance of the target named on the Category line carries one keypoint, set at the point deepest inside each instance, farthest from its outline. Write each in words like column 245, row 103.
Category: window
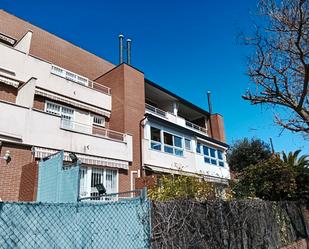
column 198, row 148
column 220, row 158
column 212, row 152
column 110, row 181
column 173, row 144
column 155, row 136
column 187, row 144
column 107, row 177
column 98, row 120
column 220, row 155
column 53, row 108
column 211, row 155
column 66, row 113
column 206, row 150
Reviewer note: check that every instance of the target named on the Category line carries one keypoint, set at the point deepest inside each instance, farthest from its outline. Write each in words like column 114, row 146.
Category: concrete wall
column 25, row 94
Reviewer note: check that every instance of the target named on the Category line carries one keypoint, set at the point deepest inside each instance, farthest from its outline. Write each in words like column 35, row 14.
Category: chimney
column 129, row 51
column 209, row 102
column 210, row 112
column 120, row 48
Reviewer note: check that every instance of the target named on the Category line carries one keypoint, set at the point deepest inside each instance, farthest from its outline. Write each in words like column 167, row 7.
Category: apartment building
column 121, row 126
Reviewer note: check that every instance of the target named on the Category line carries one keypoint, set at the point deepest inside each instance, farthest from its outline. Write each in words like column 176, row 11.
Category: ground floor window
column 91, row 176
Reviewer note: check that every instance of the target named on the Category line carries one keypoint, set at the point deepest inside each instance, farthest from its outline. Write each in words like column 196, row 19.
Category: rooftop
column 54, row 49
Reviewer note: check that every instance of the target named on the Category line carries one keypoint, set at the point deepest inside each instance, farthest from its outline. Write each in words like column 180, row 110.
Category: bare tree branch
column 279, row 66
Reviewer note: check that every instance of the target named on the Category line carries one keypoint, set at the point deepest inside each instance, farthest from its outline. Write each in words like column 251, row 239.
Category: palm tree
column 293, row 160
column 301, row 168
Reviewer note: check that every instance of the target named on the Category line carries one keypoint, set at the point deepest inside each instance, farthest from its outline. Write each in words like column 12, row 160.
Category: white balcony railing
column 195, row 127
column 92, row 130
column 175, row 119
column 155, row 110
column 79, row 79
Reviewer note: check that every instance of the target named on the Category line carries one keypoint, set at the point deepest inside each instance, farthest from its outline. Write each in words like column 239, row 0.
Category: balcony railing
column 79, row 79
column 195, row 127
column 92, row 130
column 155, row 110
column 181, row 120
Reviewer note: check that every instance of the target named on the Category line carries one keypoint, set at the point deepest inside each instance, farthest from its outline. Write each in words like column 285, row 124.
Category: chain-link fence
column 120, row 224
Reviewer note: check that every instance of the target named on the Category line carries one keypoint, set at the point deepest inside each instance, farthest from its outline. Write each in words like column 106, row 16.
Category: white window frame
column 163, row 145
column 156, row 142
column 60, row 113
column 173, row 147
column 86, row 190
column 190, row 143
column 210, row 157
column 93, row 117
column 61, row 107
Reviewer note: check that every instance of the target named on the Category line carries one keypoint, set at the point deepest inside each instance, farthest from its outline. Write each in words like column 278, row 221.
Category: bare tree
column 279, row 66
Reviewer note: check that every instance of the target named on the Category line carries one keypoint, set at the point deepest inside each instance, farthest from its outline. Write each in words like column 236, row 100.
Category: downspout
column 141, row 144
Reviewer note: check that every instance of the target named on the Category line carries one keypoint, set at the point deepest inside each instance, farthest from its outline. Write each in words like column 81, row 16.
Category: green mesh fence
column 121, row 224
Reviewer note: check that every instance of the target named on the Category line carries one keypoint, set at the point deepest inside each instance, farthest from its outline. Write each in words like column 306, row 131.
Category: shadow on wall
column 28, row 182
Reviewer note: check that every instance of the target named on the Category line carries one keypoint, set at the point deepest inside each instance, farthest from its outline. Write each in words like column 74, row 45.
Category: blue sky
column 188, row 47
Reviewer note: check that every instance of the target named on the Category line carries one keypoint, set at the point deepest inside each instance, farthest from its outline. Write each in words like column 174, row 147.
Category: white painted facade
column 174, row 118
column 24, row 67
column 189, row 162
column 22, row 124
column 33, row 127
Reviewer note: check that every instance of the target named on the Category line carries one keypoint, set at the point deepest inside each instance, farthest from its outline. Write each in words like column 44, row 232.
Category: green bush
column 171, row 187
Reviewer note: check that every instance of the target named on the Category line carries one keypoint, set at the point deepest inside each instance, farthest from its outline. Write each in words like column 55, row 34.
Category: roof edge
column 186, row 102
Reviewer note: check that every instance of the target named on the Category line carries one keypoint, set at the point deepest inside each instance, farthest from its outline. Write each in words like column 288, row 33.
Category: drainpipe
column 141, row 144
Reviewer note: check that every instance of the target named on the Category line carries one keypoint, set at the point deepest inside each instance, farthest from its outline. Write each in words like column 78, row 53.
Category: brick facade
column 128, row 101
column 39, row 102
column 8, row 93
column 11, row 172
column 54, row 49
column 216, row 127
column 29, row 182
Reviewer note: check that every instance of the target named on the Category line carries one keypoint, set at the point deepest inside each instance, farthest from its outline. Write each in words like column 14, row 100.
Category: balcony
column 79, row 79
column 92, row 130
column 54, row 79
column 41, row 129
column 175, row 119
